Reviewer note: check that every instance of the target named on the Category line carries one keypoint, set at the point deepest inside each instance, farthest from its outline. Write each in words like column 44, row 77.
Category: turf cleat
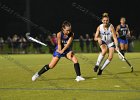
column 79, row 78
column 96, row 68
column 100, row 72
column 35, row 76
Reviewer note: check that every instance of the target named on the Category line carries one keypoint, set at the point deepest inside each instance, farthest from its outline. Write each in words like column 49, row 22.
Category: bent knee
column 104, row 52
column 51, row 66
column 75, row 60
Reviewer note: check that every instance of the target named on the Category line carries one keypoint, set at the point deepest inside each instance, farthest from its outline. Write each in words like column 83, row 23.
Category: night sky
column 51, row 13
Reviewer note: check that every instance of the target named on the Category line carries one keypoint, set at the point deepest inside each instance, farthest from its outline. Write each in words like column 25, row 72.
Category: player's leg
column 101, row 56
column 125, row 46
column 55, row 59
column 110, row 56
column 49, row 66
column 73, row 58
column 122, row 48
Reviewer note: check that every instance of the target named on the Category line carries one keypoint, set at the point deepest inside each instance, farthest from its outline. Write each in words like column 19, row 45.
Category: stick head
column 27, row 35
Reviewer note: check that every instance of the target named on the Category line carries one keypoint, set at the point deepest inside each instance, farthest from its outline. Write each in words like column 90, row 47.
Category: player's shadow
column 90, row 77
column 134, row 72
column 134, row 59
column 56, row 79
column 62, row 78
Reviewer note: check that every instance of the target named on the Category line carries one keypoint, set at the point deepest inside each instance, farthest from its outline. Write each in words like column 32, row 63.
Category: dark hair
column 105, row 15
column 66, row 23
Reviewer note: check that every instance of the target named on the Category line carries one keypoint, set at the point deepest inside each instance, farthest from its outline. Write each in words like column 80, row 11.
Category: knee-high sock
column 105, row 64
column 122, row 52
column 99, row 60
column 43, row 70
column 77, row 69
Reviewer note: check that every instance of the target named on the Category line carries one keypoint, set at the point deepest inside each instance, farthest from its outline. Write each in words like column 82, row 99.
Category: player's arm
column 97, row 36
column 117, row 30
column 114, row 36
column 68, row 43
column 128, row 33
column 59, row 41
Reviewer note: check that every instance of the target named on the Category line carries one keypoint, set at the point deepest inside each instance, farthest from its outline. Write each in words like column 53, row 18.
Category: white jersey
column 106, row 35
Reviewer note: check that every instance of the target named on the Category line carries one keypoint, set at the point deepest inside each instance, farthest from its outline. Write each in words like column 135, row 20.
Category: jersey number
column 124, row 32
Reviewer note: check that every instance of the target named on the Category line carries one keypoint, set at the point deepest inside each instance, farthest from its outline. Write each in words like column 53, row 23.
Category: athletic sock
column 105, row 64
column 43, row 70
column 122, row 52
column 77, row 69
column 100, row 58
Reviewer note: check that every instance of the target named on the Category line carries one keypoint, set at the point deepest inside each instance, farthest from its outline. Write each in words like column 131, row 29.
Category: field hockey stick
column 125, row 60
column 34, row 40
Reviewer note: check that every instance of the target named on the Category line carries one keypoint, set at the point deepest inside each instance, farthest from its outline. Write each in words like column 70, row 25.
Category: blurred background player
column 64, row 40
column 81, row 40
column 94, row 46
column 87, row 43
column 105, row 34
column 52, row 42
column 123, row 34
column 54, row 39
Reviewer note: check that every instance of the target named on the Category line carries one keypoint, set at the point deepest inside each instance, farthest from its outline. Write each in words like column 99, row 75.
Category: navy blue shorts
column 122, row 41
column 56, row 54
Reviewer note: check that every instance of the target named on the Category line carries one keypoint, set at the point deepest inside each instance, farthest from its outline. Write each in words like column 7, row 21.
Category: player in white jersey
column 106, row 37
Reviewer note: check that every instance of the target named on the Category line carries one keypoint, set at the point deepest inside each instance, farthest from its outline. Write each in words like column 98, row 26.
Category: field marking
column 67, row 89
column 117, row 86
column 123, row 67
column 95, row 78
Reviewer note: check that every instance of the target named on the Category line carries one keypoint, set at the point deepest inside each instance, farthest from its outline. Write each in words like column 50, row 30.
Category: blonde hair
column 123, row 18
column 105, row 15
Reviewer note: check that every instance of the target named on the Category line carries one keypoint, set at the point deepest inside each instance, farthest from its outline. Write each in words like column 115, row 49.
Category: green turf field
column 116, row 83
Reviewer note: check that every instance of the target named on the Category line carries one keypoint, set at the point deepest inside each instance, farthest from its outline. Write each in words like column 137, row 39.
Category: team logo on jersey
column 123, row 29
column 64, row 41
column 65, row 36
column 106, row 33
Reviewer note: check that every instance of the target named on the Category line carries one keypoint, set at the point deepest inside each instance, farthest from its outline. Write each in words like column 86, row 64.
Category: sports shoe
column 96, row 68
column 79, row 78
column 35, row 76
column 100, row 72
